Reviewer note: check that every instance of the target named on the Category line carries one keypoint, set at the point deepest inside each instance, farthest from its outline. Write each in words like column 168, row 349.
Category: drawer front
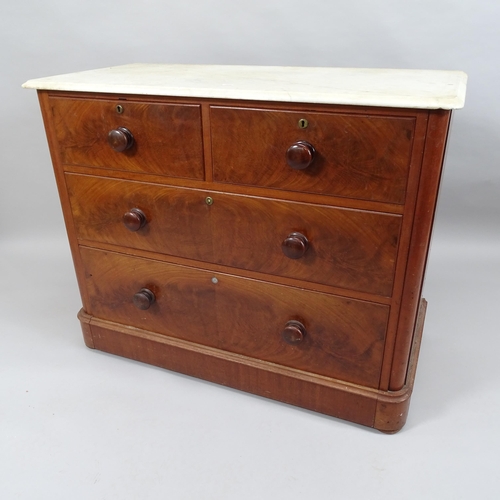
column 342, row 339
column 346, row 248
column 355, row 156
column 176, row 221
column 166, row 138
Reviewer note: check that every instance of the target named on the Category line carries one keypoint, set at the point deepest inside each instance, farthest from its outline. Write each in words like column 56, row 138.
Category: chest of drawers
column 263, row 228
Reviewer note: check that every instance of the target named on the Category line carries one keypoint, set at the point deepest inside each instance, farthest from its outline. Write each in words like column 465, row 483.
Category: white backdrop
column 79, row 424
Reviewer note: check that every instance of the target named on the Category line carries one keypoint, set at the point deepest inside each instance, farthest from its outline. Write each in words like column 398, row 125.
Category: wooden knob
column 295, row 245
column 300, row 155
column 120, row 139
column 294, row 332
column 144, row 298
column 134, row 219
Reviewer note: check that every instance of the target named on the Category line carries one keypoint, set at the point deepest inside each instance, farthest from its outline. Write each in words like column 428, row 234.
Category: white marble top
column 423, row 89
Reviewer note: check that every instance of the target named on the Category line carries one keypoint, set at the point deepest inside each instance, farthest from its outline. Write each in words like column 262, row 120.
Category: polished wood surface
column 350, row 249
column 425, row 207
column 392, row 406
column 344, row 337
column 300, row 155
column 178, row 220
column 384, row 410
column 134, row 219
column 277, row 248
column 120, row 139
column 295, row 245
column 345, row 248
column 322, row 394
column 144, row 299
column 167, row 138
column 356, row 156
column 294, row 332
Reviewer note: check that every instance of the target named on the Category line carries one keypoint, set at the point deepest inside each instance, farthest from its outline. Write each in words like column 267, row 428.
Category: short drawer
column 359, row 156
column 157, row 138
column 315, row 332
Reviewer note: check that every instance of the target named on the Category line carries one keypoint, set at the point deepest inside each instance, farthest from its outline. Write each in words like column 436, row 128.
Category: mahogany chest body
column 263, row 228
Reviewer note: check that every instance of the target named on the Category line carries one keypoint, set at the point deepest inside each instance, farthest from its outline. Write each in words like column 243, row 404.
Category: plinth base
column 383, row 410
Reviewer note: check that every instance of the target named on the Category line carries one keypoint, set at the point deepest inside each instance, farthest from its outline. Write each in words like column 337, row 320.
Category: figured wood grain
column 245, row 273
column 167, row 138
column 344, row 337
column 178, row 220
column 347, row 248
column 364, row 157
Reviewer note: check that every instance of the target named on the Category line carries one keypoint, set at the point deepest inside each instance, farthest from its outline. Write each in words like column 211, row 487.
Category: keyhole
column 303, row 123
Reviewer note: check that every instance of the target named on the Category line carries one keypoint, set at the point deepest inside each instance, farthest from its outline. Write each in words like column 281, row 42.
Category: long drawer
column 340, row 247
column 341, row 338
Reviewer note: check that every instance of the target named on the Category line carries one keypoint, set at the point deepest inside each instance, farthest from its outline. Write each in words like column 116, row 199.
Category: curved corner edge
column 392, row 407
column 86, row 329
column 391, row 411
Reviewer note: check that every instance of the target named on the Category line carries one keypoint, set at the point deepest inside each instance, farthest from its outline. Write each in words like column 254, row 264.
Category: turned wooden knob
column 294, row 332
column 120, row 139
column 134, row 219
column 300, row 155
column 295, row 245
column 144, row 298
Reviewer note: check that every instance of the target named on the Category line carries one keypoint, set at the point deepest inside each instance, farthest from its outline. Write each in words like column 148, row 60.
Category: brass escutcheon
column 119, row 109
column 303, row 123
column 209, row 200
